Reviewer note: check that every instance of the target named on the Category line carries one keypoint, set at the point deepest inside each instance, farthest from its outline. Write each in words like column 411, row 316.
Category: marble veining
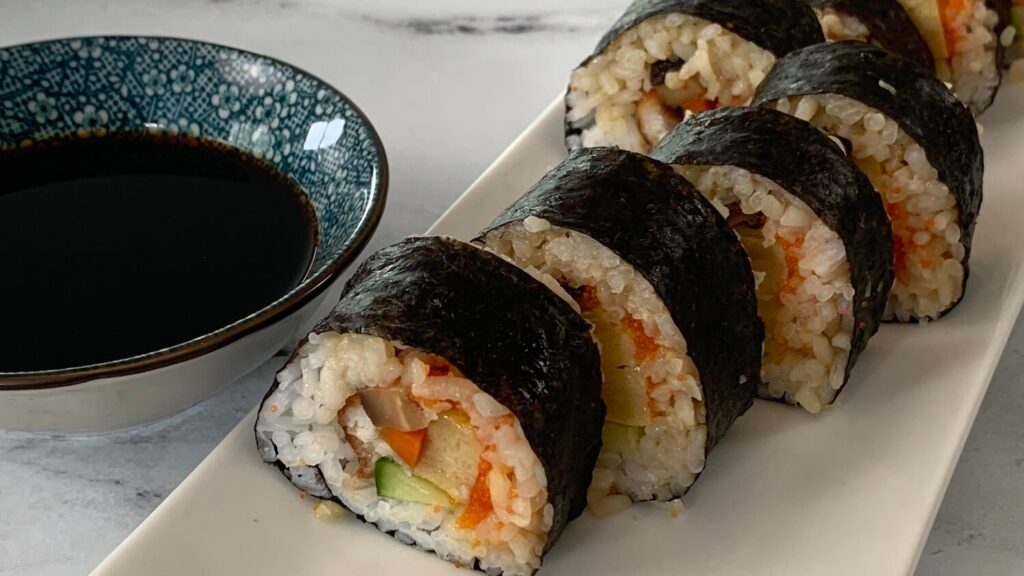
column 503, row 24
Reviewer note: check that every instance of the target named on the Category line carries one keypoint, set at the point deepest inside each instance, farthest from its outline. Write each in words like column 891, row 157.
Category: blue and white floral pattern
column 94, row 86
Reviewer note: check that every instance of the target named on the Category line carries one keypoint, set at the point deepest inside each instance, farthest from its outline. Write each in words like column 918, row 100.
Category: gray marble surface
column 448, row 84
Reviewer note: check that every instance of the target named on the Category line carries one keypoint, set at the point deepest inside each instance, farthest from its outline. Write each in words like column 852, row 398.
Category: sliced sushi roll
column 665, row 58
column 816, row 232
column 671, row 296
column 883, row 23
column 450, row 399
column 916, row 143
column 968, row 40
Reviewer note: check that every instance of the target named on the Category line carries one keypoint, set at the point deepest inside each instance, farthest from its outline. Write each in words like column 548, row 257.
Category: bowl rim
column 308, row 289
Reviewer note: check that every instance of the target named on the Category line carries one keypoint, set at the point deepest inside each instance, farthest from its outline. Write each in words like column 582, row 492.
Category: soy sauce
column 116, row 246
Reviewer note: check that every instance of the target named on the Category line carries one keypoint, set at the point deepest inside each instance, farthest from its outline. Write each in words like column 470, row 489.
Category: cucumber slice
column 394, row 482
column 619, row 438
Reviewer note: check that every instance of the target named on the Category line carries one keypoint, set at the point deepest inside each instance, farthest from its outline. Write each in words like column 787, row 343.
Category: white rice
column 839, row 26
column 924, row 213
column 804, row 292
column 612, row 96
column 308, row 418
column 671, row 451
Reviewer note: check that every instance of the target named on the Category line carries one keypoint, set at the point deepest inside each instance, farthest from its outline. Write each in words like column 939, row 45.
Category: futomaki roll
column 968, row 39
column 664, row 58
column 450, row 399
column 883, row 23
column 816, row 232
column 670, row 293
column 916, row 143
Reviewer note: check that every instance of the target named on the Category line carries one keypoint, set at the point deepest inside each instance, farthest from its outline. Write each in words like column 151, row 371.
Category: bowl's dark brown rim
column 302, row 294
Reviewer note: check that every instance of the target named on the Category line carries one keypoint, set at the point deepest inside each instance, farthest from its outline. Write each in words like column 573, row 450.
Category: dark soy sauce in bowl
column 116, row 246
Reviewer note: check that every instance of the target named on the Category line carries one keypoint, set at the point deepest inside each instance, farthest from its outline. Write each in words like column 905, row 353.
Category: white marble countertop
column 448, row 84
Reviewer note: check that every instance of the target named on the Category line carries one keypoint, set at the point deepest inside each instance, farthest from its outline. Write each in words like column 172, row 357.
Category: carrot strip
column 949, row 10
column 408, row 445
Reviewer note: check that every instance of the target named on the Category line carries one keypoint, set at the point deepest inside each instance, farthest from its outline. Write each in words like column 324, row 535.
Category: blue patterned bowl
column 296, row 122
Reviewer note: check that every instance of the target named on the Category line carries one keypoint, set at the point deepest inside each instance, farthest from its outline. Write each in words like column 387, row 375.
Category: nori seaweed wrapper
column 504, row 330
column 920, row 103
column 654, row 220
column 804, row 162
column 889, row 25
column 778, row 26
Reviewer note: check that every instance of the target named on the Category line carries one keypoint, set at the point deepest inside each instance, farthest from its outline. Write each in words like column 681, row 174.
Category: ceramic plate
column 851, row 491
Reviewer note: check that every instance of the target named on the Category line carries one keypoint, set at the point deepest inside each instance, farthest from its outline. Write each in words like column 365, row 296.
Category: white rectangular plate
column 851, row 491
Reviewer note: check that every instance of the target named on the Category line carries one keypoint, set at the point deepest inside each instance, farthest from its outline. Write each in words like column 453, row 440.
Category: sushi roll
column 450, row 399
column 816, row 232
column 883, row 23
column 916, row 143
column 671, row 296
column 968, row 40
column 665, row 58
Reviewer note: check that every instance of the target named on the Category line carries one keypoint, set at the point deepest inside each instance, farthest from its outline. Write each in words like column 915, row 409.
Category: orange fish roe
column 479, row 500
column 645, row 346
column 700, row 105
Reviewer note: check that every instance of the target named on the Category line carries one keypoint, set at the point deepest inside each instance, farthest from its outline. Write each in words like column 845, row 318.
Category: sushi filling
column 655, row 434
column 804, row 292
column 406, row 441
column 927, row 252
column 962, row 38
column 643, row 84
column 969, row 28
column 839, row 26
